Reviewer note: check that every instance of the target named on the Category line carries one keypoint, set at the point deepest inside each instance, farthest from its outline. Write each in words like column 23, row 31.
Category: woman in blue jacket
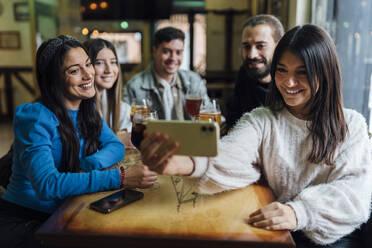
column 61, row 144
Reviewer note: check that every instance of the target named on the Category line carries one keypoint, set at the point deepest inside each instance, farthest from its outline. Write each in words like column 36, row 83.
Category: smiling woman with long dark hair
column 314, row 154
column 62, row 146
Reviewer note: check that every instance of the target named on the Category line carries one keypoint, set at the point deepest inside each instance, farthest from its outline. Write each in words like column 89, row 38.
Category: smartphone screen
column 116, row 200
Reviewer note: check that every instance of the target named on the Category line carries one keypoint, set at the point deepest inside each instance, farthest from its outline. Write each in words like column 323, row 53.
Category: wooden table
column 158, row 220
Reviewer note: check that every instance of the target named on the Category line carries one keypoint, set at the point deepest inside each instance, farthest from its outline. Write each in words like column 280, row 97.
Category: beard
column 257, row 73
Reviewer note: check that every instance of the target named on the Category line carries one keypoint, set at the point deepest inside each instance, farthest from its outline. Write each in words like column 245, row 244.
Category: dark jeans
column 18, row 225
column 353, row 240
column 366, row 233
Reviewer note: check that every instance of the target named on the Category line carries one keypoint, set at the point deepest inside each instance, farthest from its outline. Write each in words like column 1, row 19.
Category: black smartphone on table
column 116, row 200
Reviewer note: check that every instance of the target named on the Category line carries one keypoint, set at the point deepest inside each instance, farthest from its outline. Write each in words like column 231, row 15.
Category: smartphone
column 116, row 200
column 196, row 138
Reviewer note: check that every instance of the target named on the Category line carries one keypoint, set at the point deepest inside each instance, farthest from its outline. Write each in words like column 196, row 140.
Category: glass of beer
column 141, row 105
column 193, row 102
column 210, row 111
column 140, row 118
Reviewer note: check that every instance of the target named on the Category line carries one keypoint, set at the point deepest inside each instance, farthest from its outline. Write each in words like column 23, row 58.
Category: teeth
column 107, row 78
column 86, row 85
column 292, row 91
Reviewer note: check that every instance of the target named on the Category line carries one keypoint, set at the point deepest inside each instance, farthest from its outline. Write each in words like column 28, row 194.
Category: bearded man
column 260, row 35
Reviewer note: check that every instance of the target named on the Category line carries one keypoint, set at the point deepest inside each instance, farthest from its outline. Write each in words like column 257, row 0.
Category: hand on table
column 157, row 153
column 275, row 216
column 125, row 138
column 139, row 176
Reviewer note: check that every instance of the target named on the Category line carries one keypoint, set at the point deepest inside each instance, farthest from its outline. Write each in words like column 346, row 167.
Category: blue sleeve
column 35, row 129
column 110, row 151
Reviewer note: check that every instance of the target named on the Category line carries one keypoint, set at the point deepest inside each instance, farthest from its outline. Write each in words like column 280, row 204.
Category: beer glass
column 141, row 105
column 140, row 118
column 210, row 111
column 193, row 102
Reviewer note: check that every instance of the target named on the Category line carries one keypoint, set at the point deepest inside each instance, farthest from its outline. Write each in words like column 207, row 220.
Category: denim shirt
column 144, row 86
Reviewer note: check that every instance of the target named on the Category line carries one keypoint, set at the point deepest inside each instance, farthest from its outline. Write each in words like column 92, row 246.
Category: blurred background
column 212, row 45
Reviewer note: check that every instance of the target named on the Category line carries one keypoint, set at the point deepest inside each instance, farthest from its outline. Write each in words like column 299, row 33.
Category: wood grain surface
column 158, row 219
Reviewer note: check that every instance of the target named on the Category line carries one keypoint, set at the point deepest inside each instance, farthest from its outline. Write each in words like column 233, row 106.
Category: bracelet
column 122, row 176
column 193, row 165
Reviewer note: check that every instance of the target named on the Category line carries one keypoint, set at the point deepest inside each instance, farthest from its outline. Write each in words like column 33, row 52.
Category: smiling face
column 293, row 84
column 168, row 58
column 107, row 69
column 258, row 47
column 78, row 75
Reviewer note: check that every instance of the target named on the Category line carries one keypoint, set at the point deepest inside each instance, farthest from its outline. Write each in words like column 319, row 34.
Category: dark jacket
column 248, row 94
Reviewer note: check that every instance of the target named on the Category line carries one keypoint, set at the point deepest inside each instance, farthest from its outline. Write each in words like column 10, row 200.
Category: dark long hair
column 49, row 61
column 167, row 34
column 327, row 124
column 114, row 94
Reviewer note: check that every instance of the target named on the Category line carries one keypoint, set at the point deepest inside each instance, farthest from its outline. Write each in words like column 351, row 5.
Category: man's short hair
column 272, row 21
column 167, row 34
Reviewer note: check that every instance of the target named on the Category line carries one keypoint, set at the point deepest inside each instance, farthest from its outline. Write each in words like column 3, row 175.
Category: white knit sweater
column 329, row 202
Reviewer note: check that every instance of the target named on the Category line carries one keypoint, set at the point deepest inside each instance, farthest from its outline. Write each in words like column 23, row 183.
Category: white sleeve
column 124, row 121
column 236, row 163
column 327, row 212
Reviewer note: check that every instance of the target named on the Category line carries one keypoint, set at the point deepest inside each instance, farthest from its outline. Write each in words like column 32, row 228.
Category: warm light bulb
column 85, row 31
column 103, row 5
column 93, row 6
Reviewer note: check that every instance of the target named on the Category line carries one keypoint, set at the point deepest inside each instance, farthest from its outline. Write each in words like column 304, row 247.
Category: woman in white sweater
column 314, row 154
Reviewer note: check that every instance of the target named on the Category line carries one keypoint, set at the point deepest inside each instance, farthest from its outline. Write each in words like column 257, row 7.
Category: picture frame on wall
column 10, row 40
column 21, row 11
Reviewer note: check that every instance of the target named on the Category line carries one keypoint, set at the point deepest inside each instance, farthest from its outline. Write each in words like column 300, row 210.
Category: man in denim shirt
column 162, row 82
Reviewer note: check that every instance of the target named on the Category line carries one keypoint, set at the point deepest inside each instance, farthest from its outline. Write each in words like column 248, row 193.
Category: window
column 350, row 25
